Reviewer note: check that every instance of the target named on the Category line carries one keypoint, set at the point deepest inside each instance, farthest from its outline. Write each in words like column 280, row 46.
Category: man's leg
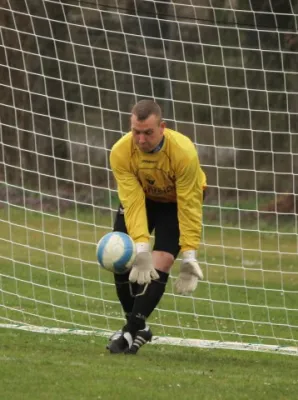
column 146, row 301
column 126, row 295
column 166, row 248
column 125, row 290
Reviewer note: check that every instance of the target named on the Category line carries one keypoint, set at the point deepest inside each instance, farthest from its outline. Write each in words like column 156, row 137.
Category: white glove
column 143, row 270
column 190, row 273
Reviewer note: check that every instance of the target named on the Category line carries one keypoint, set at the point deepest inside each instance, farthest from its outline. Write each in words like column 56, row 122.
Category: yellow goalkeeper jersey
column 172, row 174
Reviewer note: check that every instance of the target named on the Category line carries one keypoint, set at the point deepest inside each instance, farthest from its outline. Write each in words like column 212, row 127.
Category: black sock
column 125, row 296
column 144, row 304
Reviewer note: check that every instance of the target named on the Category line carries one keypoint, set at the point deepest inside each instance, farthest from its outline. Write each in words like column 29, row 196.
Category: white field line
column 207, row 344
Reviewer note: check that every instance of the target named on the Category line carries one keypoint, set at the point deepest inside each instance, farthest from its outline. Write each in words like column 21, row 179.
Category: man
column 160, row 186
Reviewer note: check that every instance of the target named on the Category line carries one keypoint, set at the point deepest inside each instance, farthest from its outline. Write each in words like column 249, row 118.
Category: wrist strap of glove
column 142, row 247
column 189, row 255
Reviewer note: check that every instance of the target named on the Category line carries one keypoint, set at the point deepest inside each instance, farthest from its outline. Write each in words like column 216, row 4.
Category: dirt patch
column 284, row 204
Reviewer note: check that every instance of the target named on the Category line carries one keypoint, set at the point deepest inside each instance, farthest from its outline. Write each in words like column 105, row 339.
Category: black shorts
column 161, row 217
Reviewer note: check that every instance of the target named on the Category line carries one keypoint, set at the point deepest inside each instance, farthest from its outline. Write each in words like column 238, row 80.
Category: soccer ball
column 116, row 252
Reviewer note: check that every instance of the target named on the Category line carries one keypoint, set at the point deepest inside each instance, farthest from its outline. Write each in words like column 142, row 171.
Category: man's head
column 146, row 125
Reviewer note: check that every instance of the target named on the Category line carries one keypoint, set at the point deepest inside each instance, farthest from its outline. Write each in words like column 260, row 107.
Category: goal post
column 225, row 74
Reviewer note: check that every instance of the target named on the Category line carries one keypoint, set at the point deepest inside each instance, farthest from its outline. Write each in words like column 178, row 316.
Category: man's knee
column 162, row 260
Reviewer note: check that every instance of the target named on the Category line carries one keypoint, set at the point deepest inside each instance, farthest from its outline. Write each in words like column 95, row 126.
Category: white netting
column 225, row 74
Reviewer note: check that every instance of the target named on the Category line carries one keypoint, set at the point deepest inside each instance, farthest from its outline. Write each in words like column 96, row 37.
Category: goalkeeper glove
column 143, row 270
column 190, row 273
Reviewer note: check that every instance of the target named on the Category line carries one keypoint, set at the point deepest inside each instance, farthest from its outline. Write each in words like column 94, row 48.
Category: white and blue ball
column 116, row 252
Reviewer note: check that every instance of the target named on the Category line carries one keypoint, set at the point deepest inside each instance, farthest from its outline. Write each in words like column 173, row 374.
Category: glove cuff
column 189, row 255
column 142, row 247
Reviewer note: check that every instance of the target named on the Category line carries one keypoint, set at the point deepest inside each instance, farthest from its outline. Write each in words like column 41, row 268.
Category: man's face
column 148, row 133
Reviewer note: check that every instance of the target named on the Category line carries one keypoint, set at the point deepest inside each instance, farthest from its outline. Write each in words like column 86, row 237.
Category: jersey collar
column 158, row 147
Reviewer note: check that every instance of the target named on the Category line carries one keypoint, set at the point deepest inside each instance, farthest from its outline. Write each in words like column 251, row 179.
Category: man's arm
column 132, row 197
column 189, row 187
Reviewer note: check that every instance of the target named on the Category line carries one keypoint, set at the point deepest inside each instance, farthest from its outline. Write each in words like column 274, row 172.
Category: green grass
column 39, row 366
column 49, row 277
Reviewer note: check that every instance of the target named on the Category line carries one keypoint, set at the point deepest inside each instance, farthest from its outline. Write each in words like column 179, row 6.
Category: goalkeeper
column 160, row 186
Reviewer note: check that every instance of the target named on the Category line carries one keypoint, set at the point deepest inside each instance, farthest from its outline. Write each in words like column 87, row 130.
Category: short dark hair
column 144, row 108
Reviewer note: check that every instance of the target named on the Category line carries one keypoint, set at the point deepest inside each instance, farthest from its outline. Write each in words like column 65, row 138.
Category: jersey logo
column 149, row 161
column 150, row 179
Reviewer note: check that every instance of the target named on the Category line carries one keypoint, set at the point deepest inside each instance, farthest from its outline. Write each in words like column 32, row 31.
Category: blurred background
column 223, row 71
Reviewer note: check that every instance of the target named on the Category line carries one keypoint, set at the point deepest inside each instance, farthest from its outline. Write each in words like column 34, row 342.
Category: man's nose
column 142, row 138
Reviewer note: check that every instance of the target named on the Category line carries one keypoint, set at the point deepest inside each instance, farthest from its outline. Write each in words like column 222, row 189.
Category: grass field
column 38, row 366
column 49, row 277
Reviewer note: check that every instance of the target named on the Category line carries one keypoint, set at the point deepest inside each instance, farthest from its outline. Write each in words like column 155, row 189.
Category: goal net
column 225, row 74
